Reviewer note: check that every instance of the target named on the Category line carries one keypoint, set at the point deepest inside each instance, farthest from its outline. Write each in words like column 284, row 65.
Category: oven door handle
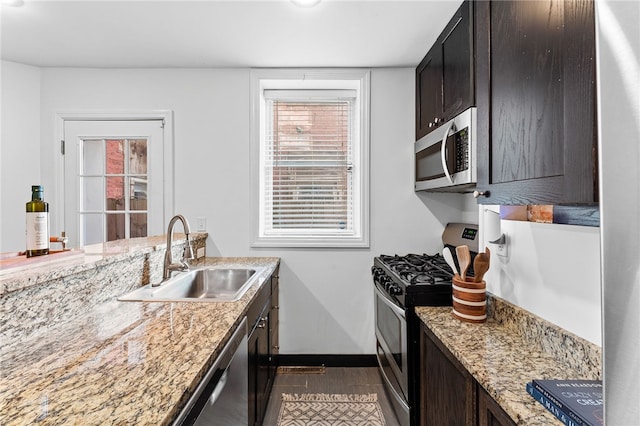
column 390, row 303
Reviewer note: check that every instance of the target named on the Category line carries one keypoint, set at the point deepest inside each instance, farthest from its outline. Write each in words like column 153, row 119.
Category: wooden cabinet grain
column 258, row 369
column 447, row 390
column 429, row 92
column 263, row 346
column 489, row 412
column 274, row 327
column 536, row 99
column 449, row 395
column 445, row 77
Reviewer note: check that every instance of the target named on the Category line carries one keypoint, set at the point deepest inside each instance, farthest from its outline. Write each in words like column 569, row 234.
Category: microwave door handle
column 443, row 151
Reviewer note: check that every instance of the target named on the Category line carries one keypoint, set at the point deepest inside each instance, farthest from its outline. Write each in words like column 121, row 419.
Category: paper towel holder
column 501, row 240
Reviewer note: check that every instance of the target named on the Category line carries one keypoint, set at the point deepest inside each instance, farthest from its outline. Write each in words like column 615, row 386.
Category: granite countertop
column 504, row 354
column 30, row 272
column 120, row 362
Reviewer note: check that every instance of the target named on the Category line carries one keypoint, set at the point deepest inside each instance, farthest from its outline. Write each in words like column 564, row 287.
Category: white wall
column 619, row 68
column 20, row 140
column 551, row 270
column 326, row 295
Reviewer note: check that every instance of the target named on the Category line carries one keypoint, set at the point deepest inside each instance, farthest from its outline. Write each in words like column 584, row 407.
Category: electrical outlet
column 501, row 249
column 201, row 222
column 200, row 252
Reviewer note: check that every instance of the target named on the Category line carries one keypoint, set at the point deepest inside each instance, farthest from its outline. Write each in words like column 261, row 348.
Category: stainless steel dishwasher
column 221, row 397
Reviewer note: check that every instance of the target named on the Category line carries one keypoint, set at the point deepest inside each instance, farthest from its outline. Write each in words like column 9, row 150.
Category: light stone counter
column 54, row 266
column 512, row 348
column 111, row 362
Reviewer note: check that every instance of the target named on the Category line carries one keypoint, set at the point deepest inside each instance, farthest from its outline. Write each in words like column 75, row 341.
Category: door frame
column 116, row 115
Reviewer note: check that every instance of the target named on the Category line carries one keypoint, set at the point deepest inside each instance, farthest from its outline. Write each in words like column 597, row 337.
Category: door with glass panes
column 113, row 180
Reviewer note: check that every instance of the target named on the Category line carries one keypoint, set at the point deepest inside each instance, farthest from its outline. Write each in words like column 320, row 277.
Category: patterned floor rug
column 319, row 409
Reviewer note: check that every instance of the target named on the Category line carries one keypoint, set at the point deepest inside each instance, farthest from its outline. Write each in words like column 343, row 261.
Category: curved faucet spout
column 169, row 264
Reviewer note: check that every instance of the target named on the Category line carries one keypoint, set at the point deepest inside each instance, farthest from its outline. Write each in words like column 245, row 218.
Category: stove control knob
column 387, row 283
column 395, row 290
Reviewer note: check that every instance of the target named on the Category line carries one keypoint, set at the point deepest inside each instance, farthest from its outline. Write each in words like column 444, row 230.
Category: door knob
column 478, row 194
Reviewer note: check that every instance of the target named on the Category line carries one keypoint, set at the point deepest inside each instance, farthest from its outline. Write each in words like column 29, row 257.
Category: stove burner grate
column 416, row 269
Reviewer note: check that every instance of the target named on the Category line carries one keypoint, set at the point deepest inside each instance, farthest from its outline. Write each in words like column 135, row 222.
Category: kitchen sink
column 205, row 284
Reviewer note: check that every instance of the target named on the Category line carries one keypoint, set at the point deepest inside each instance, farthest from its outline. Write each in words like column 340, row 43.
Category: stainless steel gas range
column 401, row 283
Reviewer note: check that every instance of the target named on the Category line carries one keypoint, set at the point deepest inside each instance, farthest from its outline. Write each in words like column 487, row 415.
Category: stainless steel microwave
column 445, row 159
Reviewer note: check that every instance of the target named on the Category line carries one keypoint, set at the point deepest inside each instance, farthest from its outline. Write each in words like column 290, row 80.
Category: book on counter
column 574, row 402
column 550, row 406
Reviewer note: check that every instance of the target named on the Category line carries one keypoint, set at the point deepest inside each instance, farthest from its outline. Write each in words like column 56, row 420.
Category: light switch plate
column 201, row 222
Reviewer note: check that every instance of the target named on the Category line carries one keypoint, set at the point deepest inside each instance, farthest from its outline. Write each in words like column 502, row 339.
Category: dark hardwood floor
column 334, row 380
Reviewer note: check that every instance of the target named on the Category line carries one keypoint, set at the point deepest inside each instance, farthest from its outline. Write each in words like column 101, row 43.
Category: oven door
column 391, row 348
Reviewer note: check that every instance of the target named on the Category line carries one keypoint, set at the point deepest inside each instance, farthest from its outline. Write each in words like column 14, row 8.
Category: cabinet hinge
column 62, row 147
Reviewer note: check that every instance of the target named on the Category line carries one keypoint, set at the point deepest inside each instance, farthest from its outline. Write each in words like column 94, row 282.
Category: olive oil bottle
column 37, row 223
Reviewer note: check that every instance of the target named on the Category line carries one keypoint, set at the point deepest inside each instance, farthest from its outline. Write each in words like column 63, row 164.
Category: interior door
column 113, row 180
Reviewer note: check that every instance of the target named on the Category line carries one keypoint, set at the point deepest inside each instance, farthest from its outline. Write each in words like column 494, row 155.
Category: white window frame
column 311, row 79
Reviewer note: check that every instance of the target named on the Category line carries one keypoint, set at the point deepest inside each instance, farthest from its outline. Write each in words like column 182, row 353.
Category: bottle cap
column 38, row 188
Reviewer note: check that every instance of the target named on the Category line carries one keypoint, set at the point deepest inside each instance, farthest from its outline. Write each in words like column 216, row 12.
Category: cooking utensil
column 481, row 265
column 464, row 260
column 448, row 257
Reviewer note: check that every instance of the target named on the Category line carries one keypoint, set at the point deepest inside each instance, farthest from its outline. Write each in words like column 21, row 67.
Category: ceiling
column 221, row 34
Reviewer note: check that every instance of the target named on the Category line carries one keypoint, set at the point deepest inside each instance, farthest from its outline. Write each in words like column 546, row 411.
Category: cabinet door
column 536, row 102
column 489, row 412
column 274, row 326
column 263, row 364
column 445, row 77
column 458, row 75
column 253, row 343
column 429, row 92
column 259, row 369
column 447, row 390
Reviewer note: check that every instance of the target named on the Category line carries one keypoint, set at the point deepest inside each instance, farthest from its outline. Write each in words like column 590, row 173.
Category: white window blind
column 308, row 162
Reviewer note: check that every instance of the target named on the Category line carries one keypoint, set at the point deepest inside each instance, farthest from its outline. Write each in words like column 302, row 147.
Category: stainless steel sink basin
column 199, row 285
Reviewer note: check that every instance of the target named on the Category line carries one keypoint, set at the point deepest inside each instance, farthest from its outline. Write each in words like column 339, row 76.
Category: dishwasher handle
column 221, row 363
column 219, row 387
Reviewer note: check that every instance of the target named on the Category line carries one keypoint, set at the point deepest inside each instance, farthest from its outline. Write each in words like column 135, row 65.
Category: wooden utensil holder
column 469, row 300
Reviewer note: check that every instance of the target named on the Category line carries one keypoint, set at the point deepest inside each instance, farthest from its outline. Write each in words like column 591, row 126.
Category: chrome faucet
column 169, row 265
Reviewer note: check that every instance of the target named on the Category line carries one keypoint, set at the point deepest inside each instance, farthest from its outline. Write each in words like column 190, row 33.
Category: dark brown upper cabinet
column 536, row 99
column 445, row 77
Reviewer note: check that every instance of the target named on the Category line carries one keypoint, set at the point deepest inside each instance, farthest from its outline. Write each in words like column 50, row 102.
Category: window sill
column 310, row 242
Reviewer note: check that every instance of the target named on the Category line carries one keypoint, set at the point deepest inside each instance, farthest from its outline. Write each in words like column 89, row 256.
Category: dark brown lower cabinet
column 449, row 393
column 447, row 390
column 274, row 327
column 263, row 349
column 259, row 369
column 489, row 412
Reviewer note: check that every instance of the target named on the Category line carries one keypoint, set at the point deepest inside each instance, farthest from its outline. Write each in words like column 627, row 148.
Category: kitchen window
column 310, row 158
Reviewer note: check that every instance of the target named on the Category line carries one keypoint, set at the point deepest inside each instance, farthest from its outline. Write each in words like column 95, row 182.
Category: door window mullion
column 127, row 190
